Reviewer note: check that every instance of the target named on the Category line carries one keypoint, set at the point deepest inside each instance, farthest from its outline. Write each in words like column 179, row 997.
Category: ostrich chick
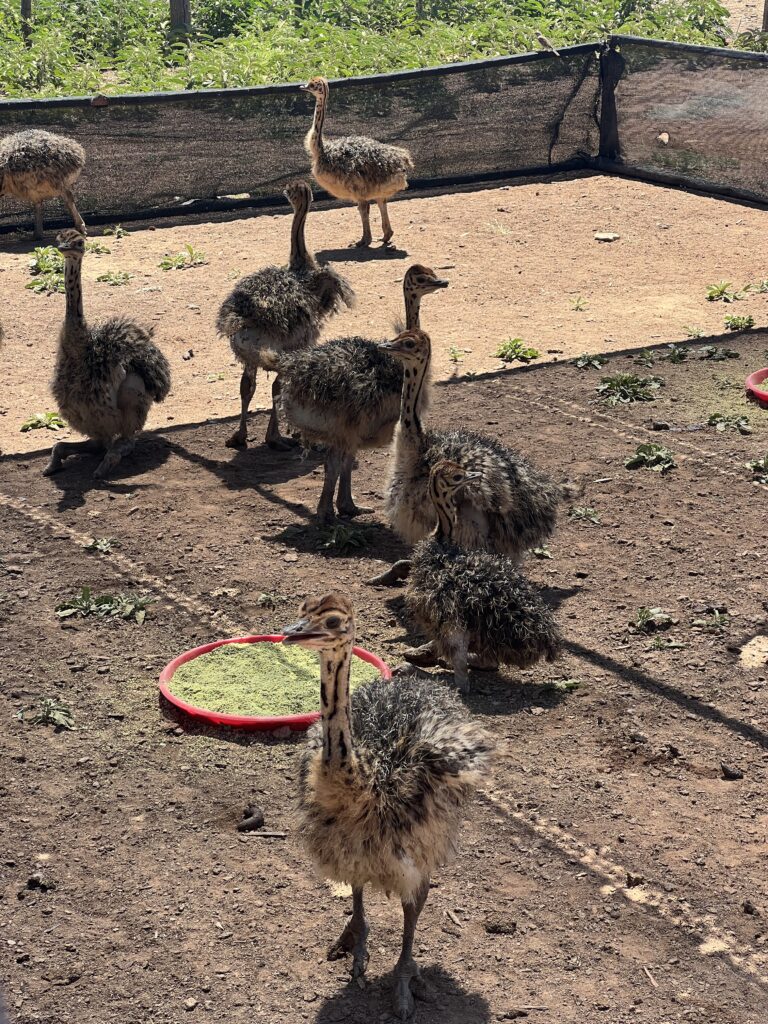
column 383, row 784
column 279, row 310
column 345, row 395
column 355, row 167
column 474, row 600
column 106, row 377
column 37, row 165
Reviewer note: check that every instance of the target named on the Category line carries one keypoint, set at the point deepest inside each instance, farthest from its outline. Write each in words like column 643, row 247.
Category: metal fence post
column 181, row 18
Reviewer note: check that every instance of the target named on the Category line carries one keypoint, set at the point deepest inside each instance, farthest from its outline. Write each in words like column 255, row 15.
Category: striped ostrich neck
column 412, row 309
column 319, row 121
column 335, row 664
column 446, row 514
column 299, row 255
column 413, row 385
column 73, row 288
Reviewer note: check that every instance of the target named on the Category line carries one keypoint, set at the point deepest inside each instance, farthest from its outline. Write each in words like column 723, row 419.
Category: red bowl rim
column 754, row 380
column 302, row 721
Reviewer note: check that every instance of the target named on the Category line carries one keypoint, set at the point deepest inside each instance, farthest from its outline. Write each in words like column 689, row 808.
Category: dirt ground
column 608, row 872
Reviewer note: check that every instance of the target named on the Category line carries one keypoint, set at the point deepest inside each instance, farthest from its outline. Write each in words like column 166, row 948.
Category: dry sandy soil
column 609, row 872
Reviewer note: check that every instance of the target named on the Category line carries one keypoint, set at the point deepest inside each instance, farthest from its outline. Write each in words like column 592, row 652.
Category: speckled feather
column 483, row 594
column 394, row 818
column 43, row 155
column 363, row 163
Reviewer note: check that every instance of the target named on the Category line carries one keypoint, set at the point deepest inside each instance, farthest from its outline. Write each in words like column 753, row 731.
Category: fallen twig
column 651, row 978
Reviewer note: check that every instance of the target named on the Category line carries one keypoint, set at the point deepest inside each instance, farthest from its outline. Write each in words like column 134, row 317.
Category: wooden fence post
column 26, row 18
column 181, row 18
column 765, row 17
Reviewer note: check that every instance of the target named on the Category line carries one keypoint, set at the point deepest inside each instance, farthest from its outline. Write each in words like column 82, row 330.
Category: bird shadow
column 355, row 255
column 453, row 1003
column 75, row 481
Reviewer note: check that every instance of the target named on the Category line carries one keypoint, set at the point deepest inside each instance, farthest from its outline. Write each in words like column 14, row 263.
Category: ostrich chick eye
column 333, row 622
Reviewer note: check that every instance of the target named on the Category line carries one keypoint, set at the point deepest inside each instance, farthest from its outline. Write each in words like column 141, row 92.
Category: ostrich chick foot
column 354, row 940
column 409, row 984
column 394, row 574
column 238, row 440
column 423, row 657
column 281, row 444
column 349, row 510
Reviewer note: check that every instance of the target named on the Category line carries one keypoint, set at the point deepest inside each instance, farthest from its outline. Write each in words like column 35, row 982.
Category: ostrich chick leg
column 423, row 657
column 346, row 503
column 63, row 449
column 392, row 575
column 354, row 938
column 69, row 199
column 274, row 438
column 460, row 661
column 408, row 981
column 115, row 452
column 333, row 463
column 365, row 217
column 386, row 227
column 247, row 389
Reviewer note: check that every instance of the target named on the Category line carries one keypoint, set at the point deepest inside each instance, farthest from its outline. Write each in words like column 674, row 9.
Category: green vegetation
column 51, row 712
column 722, row 423
column 341, row 539
column 717, row 353
column 650, row 620
column 46, row 267
column 587, row 361
column 739, row 323
column 581, row 513
column 646, row 358
column 102, row 544
column 723, row 292
column 115, row 277
column 122, row 606
column 43, row 421
column 116, row 230
column 579, row 304
column 676, row 353
column 190, row 257
column 515, row 348
column 454, row 354
column 113, row 47
column 625, row 388
column 759, row 469
column 258, row 679
column 651, row 456
column 97, row 248
column 542, row 552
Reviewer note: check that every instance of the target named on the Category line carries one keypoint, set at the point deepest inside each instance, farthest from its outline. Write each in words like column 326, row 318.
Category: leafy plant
column 651, row 456
column 213, row 377
column 723, row 292
column 51, row 712
column 663, row 643
column 121, row 606
column 625, row 388
column 717, row 622
column 542, row 552
column 454, row 354
column 762, row 286
column 739, row 323
column 717, row 353
column 101, row 544
column 694, row 332
column 190, row 257
column 759, row 469
column 650, row 620
column 46, row 266
column 97, row 248
column 116, row 230
column 676, row 353
column 587, row 361
column 342, row 539
column 579, row 304
column 583, row 513
column 115, row 277
column 270, row 600
column 43, row 421
column 647, row 357
column 722, row 423
column 515, row 348
column 562, row 685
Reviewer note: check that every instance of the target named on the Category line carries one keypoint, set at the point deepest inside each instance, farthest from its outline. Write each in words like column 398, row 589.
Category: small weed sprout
column 122, row 606
column 515, row 348
column 342, row 539
column 625, row 388
column 647, row 357
column 663, row 643
column 51, row 712
column 717, row 353
column 651, row 456
column 723, row 292
column 739, row 323
column 103, row 545
column 497, row 228
column 579, row 304
column 542, row 552
column 190, row 257
column 650, row 620
column 587, row 361
column 115, row 277
column 722, row 423
column 759, row 469
column 581, row 513
column 454, row 354
column 46, row 266
column 676, row 353
column 43, row 421
column 270, row 601
column 97, row 248
column 761, row 287
column 561, row 685
column 116, row 230
column 717, row 622
column 693, row 332
column 213, row 377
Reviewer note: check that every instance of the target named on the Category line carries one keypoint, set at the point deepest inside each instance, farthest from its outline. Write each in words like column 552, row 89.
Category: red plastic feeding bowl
column 756, row 386
column 249, row 721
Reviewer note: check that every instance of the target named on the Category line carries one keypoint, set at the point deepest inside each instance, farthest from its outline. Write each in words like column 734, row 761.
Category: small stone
column 659, row 425
column 290, row 556
column 500, row 924
column 190, row 1003
column 730, row 774
column 748, row 907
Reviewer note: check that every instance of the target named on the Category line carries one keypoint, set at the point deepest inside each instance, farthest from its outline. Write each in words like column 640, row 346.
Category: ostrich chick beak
column 299, row 632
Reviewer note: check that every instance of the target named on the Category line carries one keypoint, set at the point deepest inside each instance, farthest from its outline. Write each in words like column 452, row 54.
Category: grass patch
column 515, row 349
column 43, row 421
column 115, row 277
column 189, row 257
column 625, row 388
column 50, row 712
column 651, row 456
column 121, row 606
column 341, row 539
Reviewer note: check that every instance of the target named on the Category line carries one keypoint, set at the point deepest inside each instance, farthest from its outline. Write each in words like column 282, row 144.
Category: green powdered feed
column 258, row 679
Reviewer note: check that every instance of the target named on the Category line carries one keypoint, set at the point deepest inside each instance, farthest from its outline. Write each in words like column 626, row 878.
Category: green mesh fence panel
column 694, row 115
column 463, row 122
